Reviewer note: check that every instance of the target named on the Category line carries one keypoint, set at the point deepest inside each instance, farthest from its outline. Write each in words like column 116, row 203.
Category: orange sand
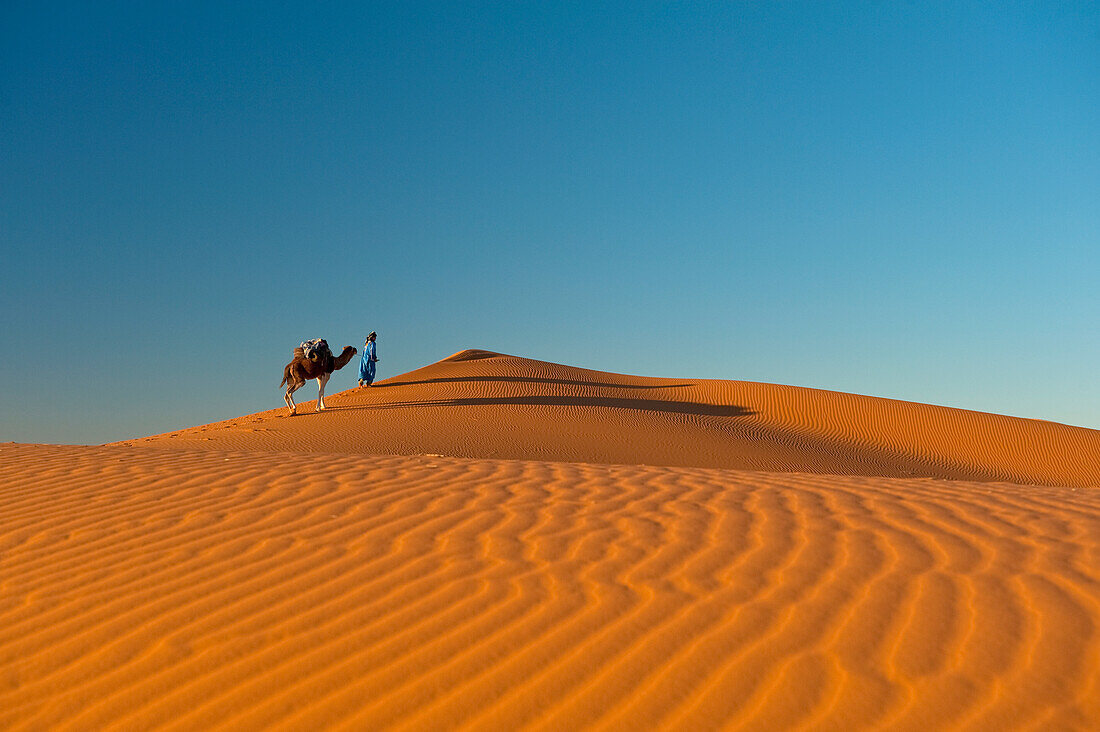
column 487, row 405
column 277, row 578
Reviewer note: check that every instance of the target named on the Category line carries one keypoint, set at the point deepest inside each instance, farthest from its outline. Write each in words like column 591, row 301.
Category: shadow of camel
column 646, row 405
column 524, row 380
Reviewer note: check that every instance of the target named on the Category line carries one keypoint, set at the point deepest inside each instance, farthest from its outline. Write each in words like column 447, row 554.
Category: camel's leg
column 289, row 398
column 321, row 381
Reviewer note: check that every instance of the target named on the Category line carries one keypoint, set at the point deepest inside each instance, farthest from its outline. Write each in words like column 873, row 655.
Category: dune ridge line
column 482, row 404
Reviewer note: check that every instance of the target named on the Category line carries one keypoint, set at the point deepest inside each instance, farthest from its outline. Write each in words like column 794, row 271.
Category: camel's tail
column 286, row 374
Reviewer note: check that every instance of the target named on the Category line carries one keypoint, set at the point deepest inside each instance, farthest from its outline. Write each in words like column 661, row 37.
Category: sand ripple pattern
column 186, row 589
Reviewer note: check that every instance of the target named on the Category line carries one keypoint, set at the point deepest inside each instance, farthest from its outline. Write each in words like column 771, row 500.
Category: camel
column 320, row 367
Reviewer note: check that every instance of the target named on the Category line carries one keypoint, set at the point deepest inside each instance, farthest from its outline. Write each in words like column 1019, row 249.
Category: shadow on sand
column 647, row 405
column 524, row 380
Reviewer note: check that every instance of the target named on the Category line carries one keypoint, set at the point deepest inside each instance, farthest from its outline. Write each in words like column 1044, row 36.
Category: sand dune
column 194, row 589
column 666, row 553
column 486, row 405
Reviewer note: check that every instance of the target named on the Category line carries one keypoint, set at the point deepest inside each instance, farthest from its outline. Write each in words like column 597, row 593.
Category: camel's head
column 346, row 355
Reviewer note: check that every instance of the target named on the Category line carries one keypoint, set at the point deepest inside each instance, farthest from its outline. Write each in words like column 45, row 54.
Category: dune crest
column 481, row 404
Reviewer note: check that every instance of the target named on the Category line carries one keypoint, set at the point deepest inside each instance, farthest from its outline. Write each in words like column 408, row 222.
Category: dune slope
column 195, row 589
column 481, row 404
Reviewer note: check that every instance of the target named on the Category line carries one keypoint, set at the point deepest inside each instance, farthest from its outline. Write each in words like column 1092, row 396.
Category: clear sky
column 897, row 199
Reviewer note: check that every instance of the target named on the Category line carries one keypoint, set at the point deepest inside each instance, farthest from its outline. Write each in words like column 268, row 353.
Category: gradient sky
column 896, row 199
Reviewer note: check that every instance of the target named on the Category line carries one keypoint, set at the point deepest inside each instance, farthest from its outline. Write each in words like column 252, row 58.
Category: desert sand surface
column 676, row 554
column 482, row 404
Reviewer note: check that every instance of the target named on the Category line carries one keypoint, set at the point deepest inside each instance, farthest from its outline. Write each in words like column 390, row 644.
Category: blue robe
column 366, row 365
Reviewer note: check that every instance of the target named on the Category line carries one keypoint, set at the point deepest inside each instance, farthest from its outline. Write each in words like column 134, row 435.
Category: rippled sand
column 284, row 585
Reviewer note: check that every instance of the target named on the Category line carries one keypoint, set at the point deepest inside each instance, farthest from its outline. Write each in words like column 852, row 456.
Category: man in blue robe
column 370, row 356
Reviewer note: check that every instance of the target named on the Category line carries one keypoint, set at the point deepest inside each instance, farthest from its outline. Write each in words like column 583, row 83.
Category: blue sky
column 897, row 199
